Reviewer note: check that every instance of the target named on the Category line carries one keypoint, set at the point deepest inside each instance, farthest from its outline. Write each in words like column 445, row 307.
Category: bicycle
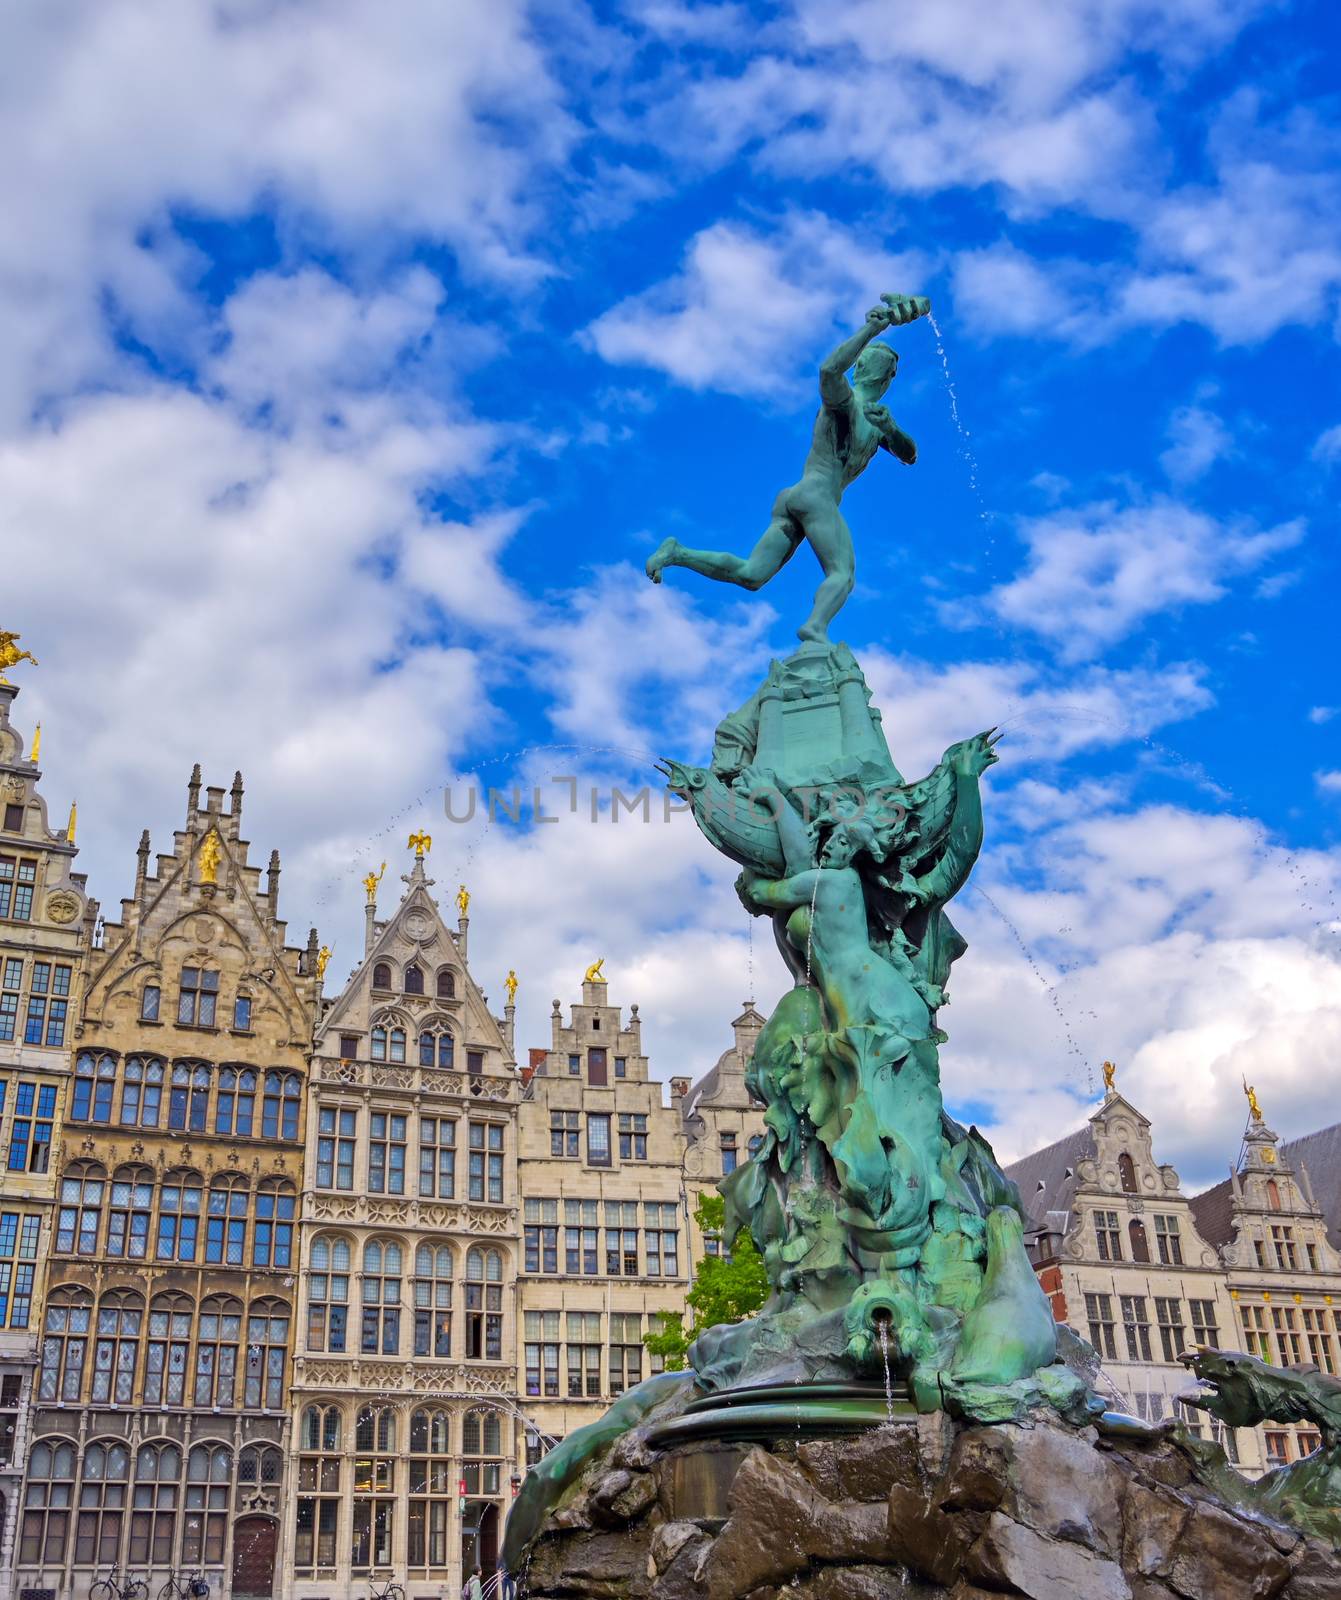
column 115, row 1587
column 393, row 1591
column 196, row 1587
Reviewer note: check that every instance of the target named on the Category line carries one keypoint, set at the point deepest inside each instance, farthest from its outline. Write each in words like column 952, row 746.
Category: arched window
column 446, row 1050
column 65, row 1344
column 272, row 1242
column 267, row 1339
column 374, row 1484
column 279, row 1115
column 379, row 1044
column 158, row 1467
column 167, row 1354
column 426, row 1049
column 1127, row 1173
column 446, row 984
column 83, row 1188
column 1140, row 1245
column 433, row 1268
column 1273, row 1194
column 380, row 1333
column 414, row 979
column 396, row 1051
column 116, row 1353
column 328, row 1294
column 141, row 1092
column 317, row 1514
column 95, row 1081
column 258, row 1465
column 128, row 1215
column 321, row 1428
column 209, row 1467
column 484, row 1305
column 180, row 1202
column 189, row 1096
column 216, row 1351
column 381, row 976
column 226, row 1223
column 102, row 1503
column 47, row 1500
column 481, row 1452
column 235, row 1104
column 431, row 1488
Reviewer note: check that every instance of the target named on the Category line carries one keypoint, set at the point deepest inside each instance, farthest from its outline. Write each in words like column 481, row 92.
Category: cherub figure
column 10, row 654
column 851, row 426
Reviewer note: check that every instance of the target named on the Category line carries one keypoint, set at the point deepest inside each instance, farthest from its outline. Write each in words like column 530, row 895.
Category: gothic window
column 433, row 1267
column 179, row 1206
column 235, row 1103
column 141, row 1092
column 102, row 1501
column 396, row 1045
column 380, row 1333
column 168, row 1351
column 95, row 1081
column 484, row 1305
column 83, row 1189
column 336, row 1130
column 328, row 1295
column 486, row 1161
column 426, row 1046
column 149, row 1000
column 189, row 1096
column 69, row 1318
column 431, row 1488
column 267, row 1339
column 226, row 1222
column 158, row 1467
column 1140, row 1245
column 381, row 976
column 437, row 1157
column 1127, row 1174
column 209, row 1467
column 129, row 1212
column 318, row 1503
column 481, row 1452
column 257, row 1466
column 197, row 997
column 386, row 1153
column 374, row 1484
column 120, row 1318
column 272, row 1240
column 446, row 984
column 47, row 1500
column 216, row 1351
column 414, row 979
column 279, row 1109
column 379, row 1044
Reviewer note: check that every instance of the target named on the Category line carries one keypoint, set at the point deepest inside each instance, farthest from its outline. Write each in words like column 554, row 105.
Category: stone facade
column 1283, row 1275
column 162, row 1414
column 45, row 919
column 404, row 1424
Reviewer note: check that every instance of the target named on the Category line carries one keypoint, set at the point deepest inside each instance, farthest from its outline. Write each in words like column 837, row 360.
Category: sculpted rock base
column 922, row 1509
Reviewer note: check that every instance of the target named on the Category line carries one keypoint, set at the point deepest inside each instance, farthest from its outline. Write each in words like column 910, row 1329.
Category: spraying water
column 965, row 449
column 882, row 1333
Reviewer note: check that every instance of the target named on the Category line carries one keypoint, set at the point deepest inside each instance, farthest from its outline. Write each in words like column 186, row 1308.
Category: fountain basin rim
column 855, row 1410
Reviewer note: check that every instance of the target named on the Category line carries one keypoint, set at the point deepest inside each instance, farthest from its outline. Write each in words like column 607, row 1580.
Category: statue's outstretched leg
column 831, row 539
column 768, row 557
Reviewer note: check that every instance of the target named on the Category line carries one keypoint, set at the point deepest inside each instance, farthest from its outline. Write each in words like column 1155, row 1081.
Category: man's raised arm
column 834, row 387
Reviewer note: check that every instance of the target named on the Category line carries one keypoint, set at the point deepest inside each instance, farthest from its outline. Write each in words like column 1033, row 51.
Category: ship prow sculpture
column 892, row 1239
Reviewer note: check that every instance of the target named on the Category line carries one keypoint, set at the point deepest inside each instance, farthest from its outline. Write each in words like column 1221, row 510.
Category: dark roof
column 1320, row 1152
column 1214, row 1210
column 1052, row 1203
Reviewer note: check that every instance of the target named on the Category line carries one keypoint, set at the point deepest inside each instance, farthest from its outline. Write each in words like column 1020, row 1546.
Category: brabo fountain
column 904, row 1417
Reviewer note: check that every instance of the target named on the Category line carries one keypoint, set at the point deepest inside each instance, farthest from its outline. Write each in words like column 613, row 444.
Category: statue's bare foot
column 663, row 556
column 812, row 633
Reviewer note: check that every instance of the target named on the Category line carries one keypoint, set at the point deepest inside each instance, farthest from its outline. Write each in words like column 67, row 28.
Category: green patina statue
column 852, row 425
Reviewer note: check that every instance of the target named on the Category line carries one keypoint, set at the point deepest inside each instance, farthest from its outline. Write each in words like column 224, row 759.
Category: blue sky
column 358, row 355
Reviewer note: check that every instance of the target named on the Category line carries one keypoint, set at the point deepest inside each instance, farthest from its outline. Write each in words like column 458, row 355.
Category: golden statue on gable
column 11, row 655
column 420, row 843
column 372, row 880
column 210, row 851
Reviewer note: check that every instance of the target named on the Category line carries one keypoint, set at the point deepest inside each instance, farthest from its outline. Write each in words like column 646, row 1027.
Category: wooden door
column 254, row 1556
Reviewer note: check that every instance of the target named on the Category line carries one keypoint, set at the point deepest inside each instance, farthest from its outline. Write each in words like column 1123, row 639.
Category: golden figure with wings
column 10, row 654
column 420, row 843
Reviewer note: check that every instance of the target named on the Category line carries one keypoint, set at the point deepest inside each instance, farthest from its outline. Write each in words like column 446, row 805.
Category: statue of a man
column 852, row 425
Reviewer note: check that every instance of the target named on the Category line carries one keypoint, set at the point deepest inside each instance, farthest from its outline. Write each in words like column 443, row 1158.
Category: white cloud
column 1198, row 438
column 1094, row 573
column 1321, row 714
column 1327, row 447
column 1329, row 782
column 748, row 306
column 1002, row 290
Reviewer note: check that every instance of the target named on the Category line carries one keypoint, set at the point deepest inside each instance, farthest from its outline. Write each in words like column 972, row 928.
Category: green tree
column 725, row 1288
